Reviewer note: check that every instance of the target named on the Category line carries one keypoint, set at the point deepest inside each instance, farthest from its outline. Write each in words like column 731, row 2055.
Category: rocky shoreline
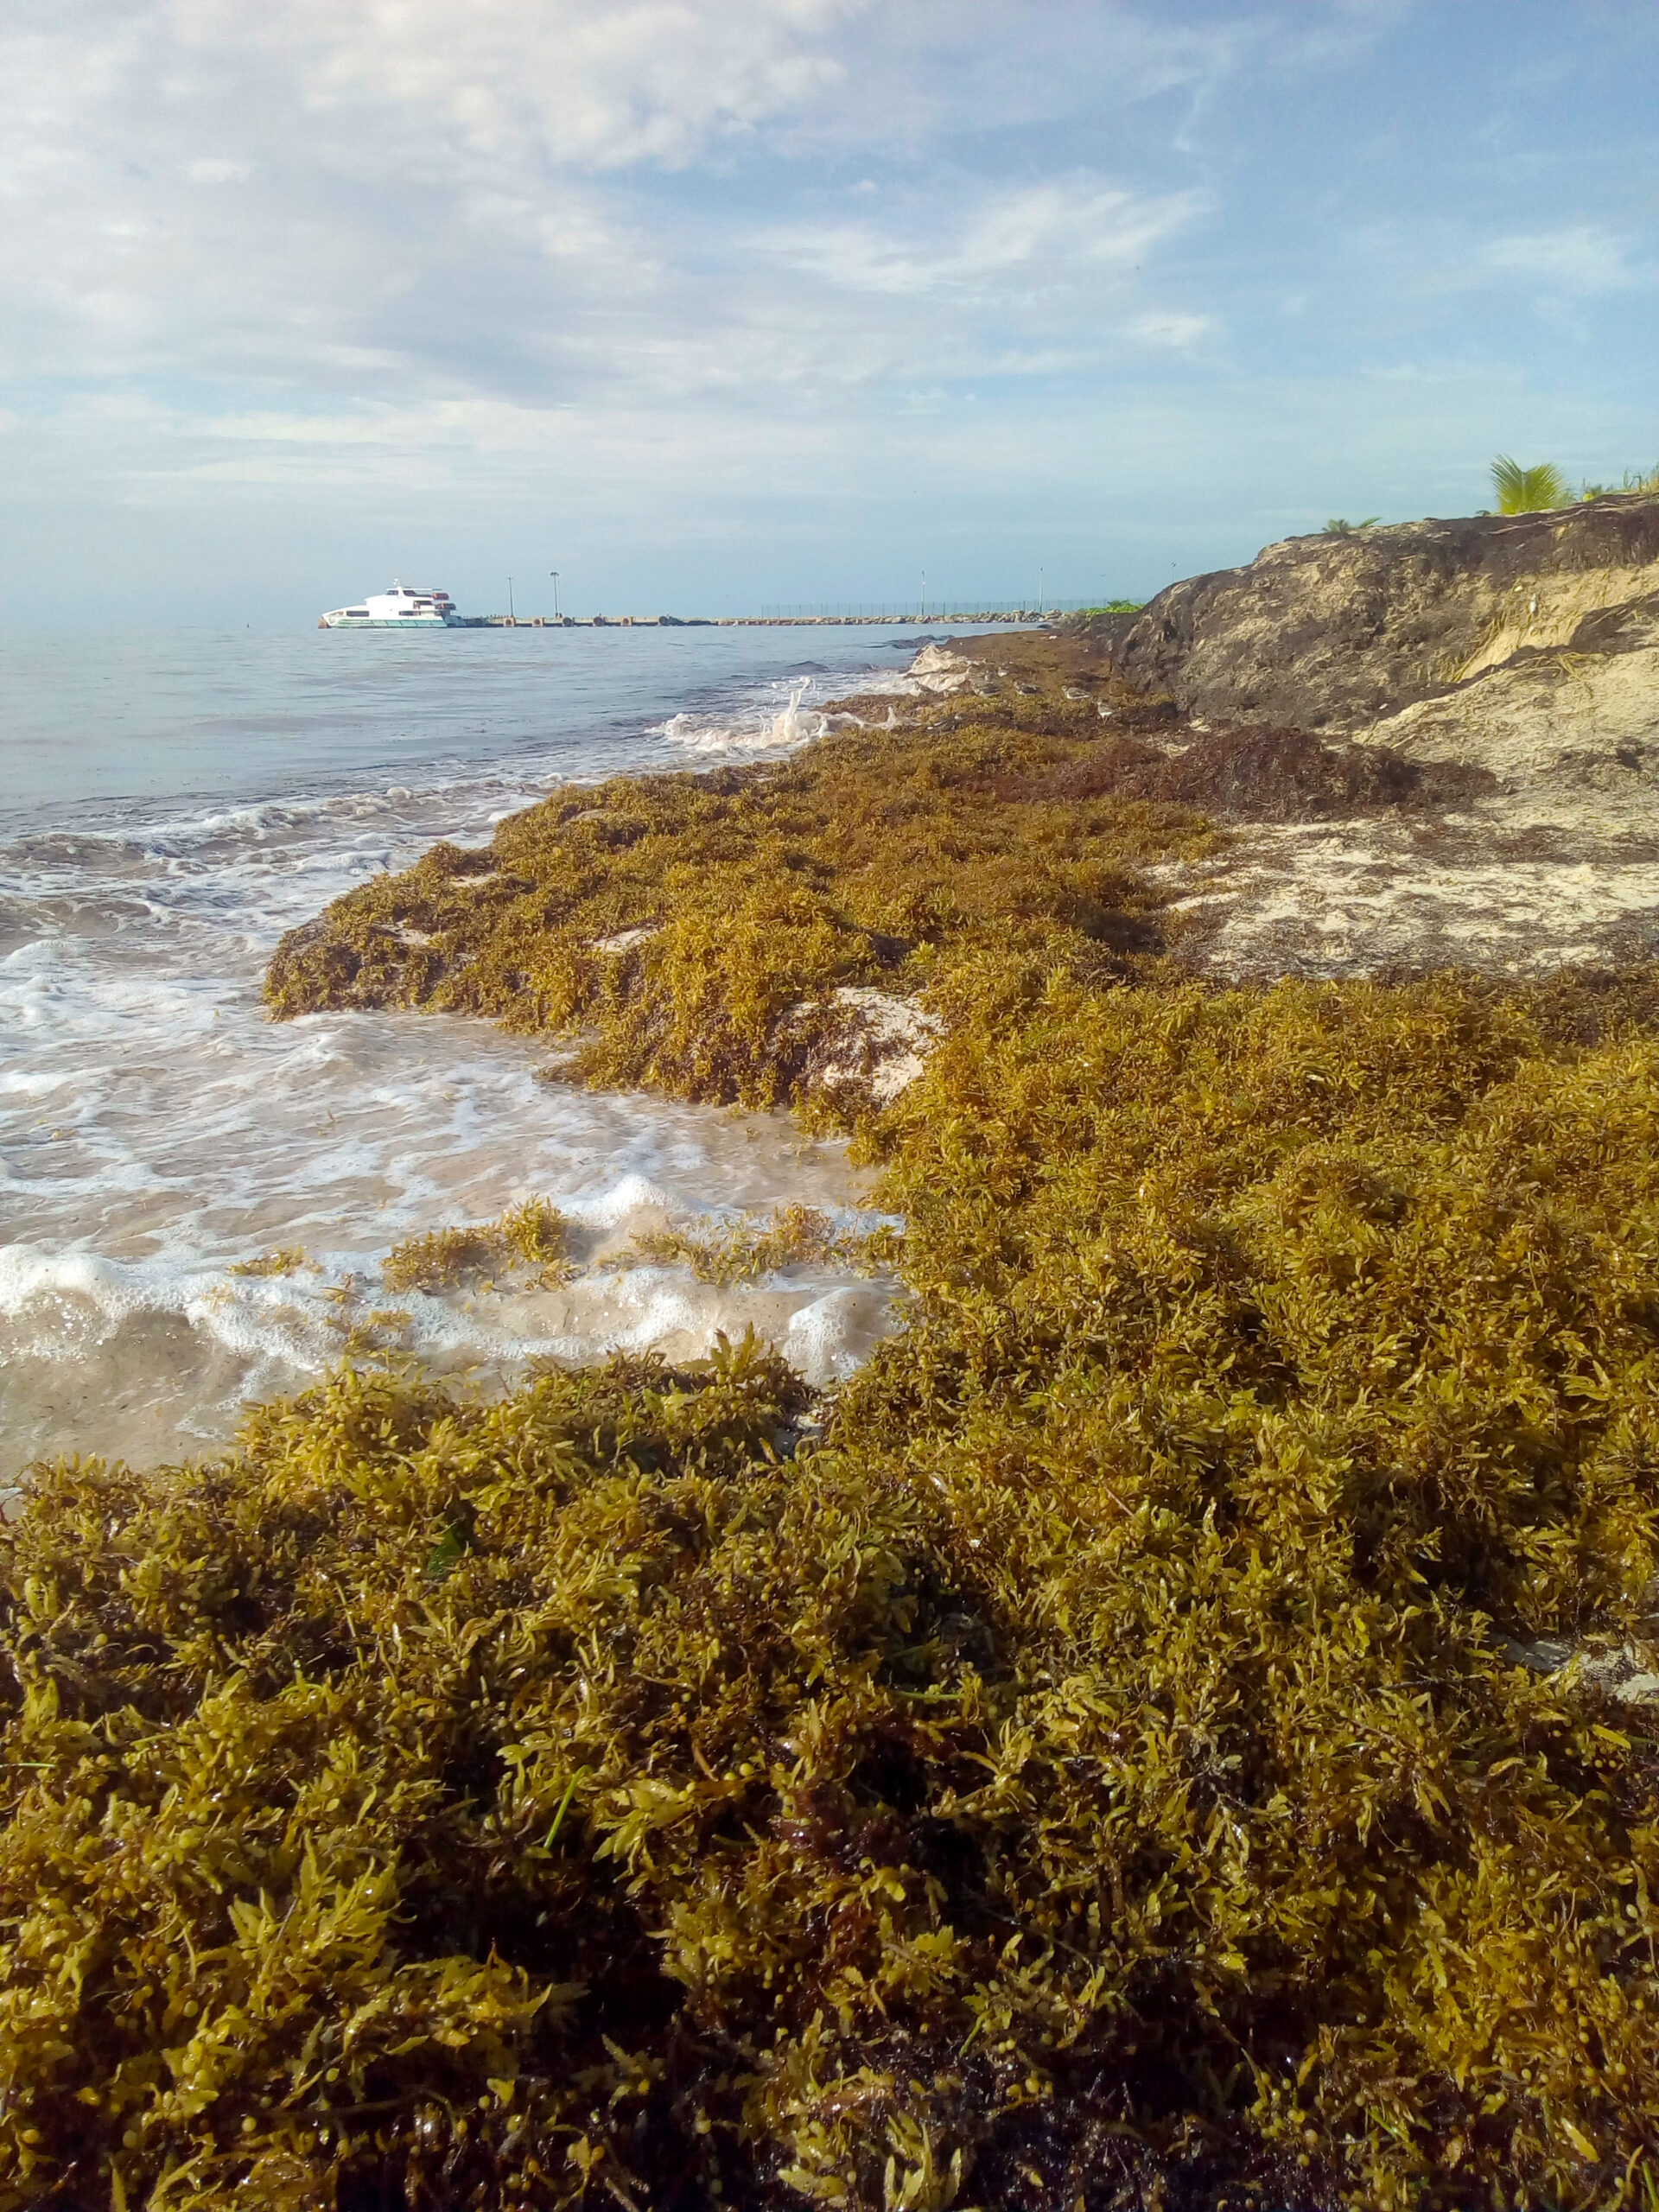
column 1494, row 682
column 1177, row 1725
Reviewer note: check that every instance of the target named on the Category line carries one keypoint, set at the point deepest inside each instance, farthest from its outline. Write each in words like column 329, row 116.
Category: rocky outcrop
column 1512, row 660
column 1574, row 733
column 1332, row 633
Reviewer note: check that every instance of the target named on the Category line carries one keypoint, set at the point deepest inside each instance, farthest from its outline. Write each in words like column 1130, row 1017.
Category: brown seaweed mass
column 695, row 930
column 1087, row 1763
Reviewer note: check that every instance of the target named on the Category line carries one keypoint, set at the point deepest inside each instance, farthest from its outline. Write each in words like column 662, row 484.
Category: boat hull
column 387, row 622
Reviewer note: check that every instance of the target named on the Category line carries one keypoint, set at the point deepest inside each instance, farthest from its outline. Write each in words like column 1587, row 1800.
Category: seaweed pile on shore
column 701, row 934
column 1118, row 1752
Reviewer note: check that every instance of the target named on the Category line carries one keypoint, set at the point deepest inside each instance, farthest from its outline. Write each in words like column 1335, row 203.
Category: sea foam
column 158, row 1134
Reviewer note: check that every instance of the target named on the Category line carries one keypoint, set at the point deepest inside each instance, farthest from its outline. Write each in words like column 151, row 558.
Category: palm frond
column 1528, row 491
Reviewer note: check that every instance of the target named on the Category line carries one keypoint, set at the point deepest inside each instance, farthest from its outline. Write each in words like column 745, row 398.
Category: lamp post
column 924, row 612
column 511, row 617
column 554, row 575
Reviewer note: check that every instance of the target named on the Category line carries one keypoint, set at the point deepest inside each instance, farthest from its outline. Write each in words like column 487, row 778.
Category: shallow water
column 171, row 805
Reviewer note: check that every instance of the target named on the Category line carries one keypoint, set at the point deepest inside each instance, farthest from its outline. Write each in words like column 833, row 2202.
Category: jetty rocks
column 1512, row 662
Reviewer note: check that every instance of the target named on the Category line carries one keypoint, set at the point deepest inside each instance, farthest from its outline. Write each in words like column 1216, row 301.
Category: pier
column 756, row 621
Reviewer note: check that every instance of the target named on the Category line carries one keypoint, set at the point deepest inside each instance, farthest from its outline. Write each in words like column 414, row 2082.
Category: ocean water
column 168, row 805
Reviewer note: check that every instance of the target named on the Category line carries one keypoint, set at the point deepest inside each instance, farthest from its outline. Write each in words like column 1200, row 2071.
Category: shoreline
column 1177, row 1723
column 163, row 1138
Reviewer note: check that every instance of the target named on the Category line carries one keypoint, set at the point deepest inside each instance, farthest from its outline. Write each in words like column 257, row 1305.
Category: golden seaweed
column 282, row 1259
column 531, row 1234
column 1101, row 1758
column 744, row 1250
column 691, row 932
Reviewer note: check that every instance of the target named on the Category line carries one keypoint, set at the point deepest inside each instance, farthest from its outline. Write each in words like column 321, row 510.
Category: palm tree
column 1528, row 490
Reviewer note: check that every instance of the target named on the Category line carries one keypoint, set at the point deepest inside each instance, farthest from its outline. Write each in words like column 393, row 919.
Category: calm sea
column 168, row 805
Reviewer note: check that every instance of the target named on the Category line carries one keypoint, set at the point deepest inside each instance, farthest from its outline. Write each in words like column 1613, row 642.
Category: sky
column 715, row 304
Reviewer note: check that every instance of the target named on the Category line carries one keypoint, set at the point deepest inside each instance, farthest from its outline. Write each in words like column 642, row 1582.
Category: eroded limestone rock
column 1330, row 633
column 1520, row 652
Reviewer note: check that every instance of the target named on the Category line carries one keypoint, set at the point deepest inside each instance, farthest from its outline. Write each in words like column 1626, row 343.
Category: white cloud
column 1078, row 219
column 1578, row 257
column 463, row 247
column 1060, row 232
column 564, row 81
column 382, row 149
column 369, row 203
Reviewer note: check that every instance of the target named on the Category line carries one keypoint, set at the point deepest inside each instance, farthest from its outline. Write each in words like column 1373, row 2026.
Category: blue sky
column 713, row 302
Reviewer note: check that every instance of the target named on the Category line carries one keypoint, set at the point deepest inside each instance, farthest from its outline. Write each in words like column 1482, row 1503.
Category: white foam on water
column 147, row 1358
column 634, row 1196
column 828, row 1338
column 157, row 1130
column 760, row 729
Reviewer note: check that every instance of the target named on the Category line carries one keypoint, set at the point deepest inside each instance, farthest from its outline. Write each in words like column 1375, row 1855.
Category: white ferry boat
column 400, row 608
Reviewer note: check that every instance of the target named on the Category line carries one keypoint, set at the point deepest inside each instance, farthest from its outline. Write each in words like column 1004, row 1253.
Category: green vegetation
column 1531, row 491
column 1085, row 1764
column 1635, row 480
column 532, row 1234
column 1528, row 490
column 1339, row 526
